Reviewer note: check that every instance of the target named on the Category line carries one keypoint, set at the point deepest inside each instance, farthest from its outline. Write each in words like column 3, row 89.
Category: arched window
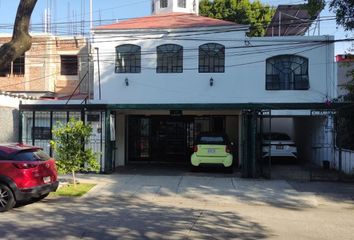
column 211, row 58
column 163, row 3
column 287, row 72
column 128, row 59
column 169, row 58
column 182, row 3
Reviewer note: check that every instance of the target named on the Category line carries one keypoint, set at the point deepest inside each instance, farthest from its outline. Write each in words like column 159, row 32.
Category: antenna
column 69, row 20
column 91, row 16
column 54, row 17
column 99, row 17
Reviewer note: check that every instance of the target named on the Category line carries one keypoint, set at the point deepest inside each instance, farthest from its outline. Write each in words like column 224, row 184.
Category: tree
column 344, row 10
column 21, row 40
column 68, row 143
column 254, row 13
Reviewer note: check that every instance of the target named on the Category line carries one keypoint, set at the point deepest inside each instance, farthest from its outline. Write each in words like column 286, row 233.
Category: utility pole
column 91, row 17
column 90, row 58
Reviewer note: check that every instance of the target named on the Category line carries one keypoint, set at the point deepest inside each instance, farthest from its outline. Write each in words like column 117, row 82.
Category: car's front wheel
column 7, row 199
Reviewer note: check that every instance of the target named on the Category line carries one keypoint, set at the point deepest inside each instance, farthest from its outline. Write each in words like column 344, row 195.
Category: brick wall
column 42, row 66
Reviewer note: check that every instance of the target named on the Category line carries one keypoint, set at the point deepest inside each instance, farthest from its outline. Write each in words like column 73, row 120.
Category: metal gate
column 37, row 129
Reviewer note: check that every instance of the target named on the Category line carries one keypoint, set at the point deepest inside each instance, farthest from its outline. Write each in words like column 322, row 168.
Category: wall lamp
column 211, row 82
column 126, row 82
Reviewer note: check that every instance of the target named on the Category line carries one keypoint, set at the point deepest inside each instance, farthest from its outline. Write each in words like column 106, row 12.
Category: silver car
column 279, row 144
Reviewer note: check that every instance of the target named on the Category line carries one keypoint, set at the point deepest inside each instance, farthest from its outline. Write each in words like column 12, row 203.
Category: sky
column 108, row 11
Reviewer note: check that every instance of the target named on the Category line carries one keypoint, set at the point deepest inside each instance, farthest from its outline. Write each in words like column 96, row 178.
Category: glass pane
column 289, row 70
column 169, row 58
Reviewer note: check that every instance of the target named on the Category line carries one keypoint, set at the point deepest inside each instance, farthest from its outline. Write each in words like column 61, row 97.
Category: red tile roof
column 168, row 21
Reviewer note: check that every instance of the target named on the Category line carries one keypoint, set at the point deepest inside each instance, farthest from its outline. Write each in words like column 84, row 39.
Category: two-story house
column 160, row 80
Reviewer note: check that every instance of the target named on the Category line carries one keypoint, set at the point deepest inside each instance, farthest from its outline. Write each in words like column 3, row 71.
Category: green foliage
column 255, row 13
column 74, row 191
column 344, row 10
column 345, row 116
column 350, row 86
column 314, row 6
column 68, row 143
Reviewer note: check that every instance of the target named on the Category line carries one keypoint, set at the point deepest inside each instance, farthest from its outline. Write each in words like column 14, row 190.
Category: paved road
column 188, row 206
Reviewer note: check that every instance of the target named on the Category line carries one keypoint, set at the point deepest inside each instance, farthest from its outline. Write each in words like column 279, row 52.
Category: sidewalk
column 218, row 190
column 188, row 206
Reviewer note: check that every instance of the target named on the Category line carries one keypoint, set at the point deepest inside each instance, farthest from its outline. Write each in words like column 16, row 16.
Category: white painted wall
column 191, row 7
column 242, row 82
column 7, row 101
column 281, row 125
column 347, row 165
column 315, row 140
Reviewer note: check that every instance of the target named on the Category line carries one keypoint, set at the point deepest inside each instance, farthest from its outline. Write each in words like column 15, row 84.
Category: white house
column 174, row 74
column 161, row 80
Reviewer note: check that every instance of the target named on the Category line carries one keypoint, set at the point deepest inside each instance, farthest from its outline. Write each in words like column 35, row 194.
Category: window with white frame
column 211, row 58
column 182, row 3
column 128, row 59
column 169, row 58
column 287, row 72
column 163, row 3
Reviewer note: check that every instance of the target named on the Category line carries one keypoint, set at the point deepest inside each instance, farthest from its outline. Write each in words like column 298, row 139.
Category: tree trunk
column 21, row 40
column 74, row 178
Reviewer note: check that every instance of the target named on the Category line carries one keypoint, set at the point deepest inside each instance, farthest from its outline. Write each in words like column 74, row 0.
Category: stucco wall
column 242, row 82
column 314, row 138
column 343, row 76
column 9, row 124
column 9, row 119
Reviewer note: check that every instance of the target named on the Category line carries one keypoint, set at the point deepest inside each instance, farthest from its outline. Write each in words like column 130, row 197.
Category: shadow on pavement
column 124, row 218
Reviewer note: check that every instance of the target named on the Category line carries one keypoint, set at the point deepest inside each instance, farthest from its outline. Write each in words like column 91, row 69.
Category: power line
column 251, row 49
column 284, row 23
column 187, row 69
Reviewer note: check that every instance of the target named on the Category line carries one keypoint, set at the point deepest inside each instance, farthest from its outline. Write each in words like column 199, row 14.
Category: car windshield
column 31, row 155
column 211, row 140
column 276, row 136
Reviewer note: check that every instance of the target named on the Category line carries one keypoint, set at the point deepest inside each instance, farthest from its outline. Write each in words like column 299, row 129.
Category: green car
column 212, row 148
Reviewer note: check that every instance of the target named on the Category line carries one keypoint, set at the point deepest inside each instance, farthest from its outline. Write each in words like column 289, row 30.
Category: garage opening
column 298, row 147
column 170, row 139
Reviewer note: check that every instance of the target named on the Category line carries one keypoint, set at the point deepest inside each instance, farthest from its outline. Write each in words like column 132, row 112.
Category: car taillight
column 195, row 148
column 227, row 149
column 24, row 165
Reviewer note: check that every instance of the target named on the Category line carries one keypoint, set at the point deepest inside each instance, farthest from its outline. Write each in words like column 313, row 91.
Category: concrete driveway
column 188, row 206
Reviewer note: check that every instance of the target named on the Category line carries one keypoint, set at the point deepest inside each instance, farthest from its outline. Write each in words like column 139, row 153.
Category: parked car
column 212, row 148
column 280, row 145
column 26, row 172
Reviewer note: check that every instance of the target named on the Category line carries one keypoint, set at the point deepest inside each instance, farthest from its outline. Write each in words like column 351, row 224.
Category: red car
column 26, row 172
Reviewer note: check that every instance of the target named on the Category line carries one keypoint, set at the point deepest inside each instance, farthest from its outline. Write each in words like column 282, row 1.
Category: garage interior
column 314, row 138
column 127, row 135
column 171, row 138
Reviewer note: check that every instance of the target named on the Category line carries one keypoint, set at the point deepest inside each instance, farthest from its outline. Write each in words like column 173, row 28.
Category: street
column 188, row 206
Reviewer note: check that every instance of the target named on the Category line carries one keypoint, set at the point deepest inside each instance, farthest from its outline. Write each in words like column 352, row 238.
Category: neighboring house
column 52, row 68
column 345, row 67
column 162, row 79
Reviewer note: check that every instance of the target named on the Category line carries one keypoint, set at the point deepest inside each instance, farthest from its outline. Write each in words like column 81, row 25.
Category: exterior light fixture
column 211, row 82
column 126, row 82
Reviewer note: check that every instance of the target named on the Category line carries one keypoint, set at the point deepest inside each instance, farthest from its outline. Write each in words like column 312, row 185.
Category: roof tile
column 167, row 21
